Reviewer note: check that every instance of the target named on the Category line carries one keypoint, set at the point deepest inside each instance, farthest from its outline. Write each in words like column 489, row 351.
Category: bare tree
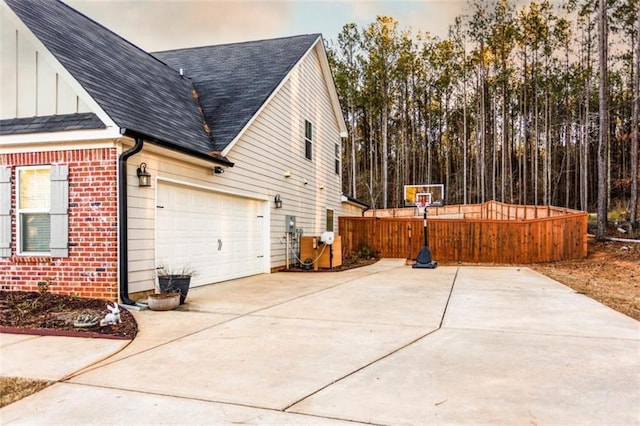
column 635, row 124
column 603, row 140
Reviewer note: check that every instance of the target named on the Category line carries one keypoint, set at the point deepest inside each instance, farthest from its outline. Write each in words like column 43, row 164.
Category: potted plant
column 175, row 280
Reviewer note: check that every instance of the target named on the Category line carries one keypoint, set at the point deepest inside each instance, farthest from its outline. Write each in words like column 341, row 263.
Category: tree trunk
column 635, row 124
column 494, row 153
column 385, row 158
column 464, row 139
column 505, row 142
column 525, row 125
column 354, row 191
column 536, row 131
column 603, row 140
column 584, row 169
column 483, row 136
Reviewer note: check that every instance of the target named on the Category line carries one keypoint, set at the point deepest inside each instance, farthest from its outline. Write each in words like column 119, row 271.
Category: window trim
column 337, row 164
column 20, row 211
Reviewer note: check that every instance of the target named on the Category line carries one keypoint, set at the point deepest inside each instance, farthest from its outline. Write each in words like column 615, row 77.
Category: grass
column 15, row 388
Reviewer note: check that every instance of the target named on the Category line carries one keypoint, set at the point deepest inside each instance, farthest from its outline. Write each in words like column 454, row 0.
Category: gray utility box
column 290, row 224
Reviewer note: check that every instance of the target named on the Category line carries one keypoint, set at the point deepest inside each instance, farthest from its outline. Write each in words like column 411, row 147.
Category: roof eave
column 216, row 159
column 351, row 200
column 331, row 84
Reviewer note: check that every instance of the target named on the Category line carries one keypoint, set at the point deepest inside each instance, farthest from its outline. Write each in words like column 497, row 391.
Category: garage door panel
column 220, row 235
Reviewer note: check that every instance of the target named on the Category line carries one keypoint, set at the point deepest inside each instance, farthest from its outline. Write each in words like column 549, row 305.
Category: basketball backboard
column 415, row 192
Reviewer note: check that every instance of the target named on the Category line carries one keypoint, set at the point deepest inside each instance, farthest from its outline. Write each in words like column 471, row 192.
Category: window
column 337, row 159
column 329, row 220
column 33, row 206
column 308, row 140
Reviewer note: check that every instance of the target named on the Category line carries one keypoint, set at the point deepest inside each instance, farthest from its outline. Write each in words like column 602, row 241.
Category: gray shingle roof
column 51, row 123
column 234, row 80
column 136, row 90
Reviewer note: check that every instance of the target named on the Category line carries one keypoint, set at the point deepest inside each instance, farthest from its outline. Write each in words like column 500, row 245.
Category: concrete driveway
column 384, row 344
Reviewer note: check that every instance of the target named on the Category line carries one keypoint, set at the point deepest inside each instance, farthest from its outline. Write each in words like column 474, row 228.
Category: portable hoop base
column 424, row 259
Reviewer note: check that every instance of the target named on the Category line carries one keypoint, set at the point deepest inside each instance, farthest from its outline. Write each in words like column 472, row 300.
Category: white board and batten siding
column 33, row 83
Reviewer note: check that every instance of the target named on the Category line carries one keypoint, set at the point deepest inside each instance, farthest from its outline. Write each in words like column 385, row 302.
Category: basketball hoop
column 424, row 260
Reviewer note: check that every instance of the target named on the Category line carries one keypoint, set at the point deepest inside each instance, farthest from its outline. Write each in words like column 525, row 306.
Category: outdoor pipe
column 123, row 234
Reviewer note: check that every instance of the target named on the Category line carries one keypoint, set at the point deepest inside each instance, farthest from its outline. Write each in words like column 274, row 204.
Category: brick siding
column 91, row 270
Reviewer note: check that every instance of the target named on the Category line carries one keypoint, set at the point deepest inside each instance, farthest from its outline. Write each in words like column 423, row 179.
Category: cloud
column 169, row 24
column 433, row 16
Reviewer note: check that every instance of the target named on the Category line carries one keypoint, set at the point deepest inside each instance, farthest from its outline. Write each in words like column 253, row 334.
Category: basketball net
column 422, row 200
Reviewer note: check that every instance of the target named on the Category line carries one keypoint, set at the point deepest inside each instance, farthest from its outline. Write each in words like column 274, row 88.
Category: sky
column 157, row 25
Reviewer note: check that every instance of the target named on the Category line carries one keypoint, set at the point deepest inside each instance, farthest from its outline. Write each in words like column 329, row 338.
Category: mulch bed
column 346, row 265
column 51, row 314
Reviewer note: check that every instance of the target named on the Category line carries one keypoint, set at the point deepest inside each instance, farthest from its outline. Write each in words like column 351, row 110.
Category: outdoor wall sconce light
column 218, row 170
column 287, row 174
column 144, row 177
column 278, row 201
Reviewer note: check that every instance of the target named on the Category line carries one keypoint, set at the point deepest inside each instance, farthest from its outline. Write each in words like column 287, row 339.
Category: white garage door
column 222, row 236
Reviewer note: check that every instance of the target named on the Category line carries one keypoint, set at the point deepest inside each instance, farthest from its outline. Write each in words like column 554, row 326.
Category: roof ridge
column 237, row 43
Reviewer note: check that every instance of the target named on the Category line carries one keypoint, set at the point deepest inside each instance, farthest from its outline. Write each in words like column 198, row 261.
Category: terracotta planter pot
column 163, row 301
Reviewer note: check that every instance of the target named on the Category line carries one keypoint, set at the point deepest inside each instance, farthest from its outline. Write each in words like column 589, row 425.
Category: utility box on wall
column 290, row 224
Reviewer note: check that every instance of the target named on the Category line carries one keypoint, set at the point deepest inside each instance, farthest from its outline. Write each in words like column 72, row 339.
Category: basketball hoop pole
column 426, row 230
column 424, row 259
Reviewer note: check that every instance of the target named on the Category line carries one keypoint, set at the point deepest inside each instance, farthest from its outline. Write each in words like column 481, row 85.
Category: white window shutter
column 59, row 213
column 5, row 211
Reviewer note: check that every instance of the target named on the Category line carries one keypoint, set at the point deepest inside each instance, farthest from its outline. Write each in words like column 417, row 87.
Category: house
column 115, row 161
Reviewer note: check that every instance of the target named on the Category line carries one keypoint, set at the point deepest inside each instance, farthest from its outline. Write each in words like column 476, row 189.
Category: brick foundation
column 91, row 270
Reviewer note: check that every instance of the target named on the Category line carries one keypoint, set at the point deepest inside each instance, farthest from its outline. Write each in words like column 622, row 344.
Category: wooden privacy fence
column 504, row 237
